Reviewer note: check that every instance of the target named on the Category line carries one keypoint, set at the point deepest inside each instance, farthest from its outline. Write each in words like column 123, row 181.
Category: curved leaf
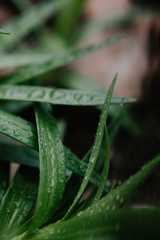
column 122, row 224
column 18, row 201
column 51, row 62
column 19, row 129
column 105, row 170
column 29, row 21
column 52, row 169
column 13, row 124
column 95, row 149
column 57, row 96
column 116, row 198
column 4, row 178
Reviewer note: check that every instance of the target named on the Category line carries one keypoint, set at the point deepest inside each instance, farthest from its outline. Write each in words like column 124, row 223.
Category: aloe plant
column 55, row 194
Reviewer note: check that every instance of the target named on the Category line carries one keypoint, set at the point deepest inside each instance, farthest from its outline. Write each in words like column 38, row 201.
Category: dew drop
column 82, row 167
column 36, row 94
column 92, row 160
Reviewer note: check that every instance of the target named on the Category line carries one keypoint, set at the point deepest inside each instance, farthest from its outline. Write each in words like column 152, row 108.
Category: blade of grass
column 29, row 21
column 52, row 168
column 105, row 170
column 57, row 96
column 95, row 149
column 53, row 62
column 18, row 201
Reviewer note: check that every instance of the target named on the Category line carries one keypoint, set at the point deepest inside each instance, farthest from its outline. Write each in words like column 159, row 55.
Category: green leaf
column 116, row 198
column 4, row 178
column 29, row 21
column 21, row 59
column 72, row 186
column 14, row 106
column 57, row 96
column 80, row 82
column 14, row 153
column 105, row 170
column 13, row 124
column 121, row 224
column 46, row 63
column 18, row 129
column 52, row 169
column 22, row 5
column 95, row 149
column 102, row 218
column 3, row 32
column 69, row 16
column 18, row 201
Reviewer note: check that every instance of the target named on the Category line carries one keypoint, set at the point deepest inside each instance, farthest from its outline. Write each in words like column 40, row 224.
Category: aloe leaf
column 4, row 178
column 18, row 200
column 95, row 149
column 115, row 225
column 57, row 96
column 52, row 168
column 55, row 61
column 29, row 21
column 18, row 129
column 105, row 170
